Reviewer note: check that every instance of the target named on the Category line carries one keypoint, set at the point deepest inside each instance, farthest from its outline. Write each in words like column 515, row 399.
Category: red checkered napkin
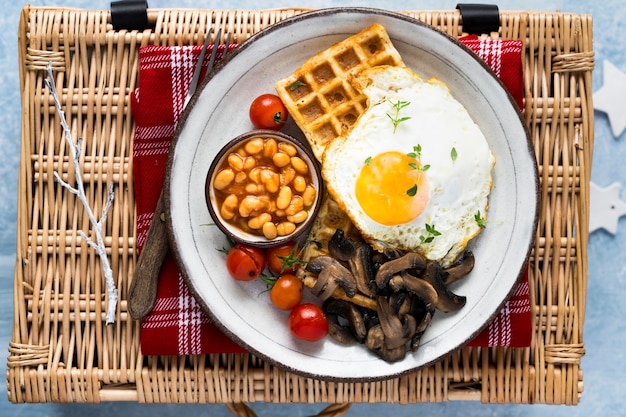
column 177, row 325
column 512, row 326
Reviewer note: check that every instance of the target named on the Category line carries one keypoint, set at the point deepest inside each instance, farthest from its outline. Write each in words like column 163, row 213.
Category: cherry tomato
column 244, row 262
column 308, row 322
column 286, row 293
column 283, row 259
column 267, row 111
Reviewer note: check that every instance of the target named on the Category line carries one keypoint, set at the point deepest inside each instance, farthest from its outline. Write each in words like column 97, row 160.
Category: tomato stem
column 269, row 280
column 278, row 118
column 293, row 259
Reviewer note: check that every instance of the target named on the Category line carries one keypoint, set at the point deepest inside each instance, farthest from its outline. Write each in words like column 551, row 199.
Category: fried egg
column 415, row 171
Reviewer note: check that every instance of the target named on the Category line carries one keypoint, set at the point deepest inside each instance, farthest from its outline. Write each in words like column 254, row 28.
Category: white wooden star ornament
column 605, row 207
column 611, row 97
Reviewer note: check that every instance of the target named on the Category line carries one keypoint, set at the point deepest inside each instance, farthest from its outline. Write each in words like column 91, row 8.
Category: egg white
column 459, row 186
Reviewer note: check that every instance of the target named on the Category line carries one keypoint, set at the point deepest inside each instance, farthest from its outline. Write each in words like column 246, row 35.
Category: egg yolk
column 392, row 188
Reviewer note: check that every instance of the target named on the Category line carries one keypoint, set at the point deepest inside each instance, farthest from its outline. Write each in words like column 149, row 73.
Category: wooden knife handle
column 143, row 288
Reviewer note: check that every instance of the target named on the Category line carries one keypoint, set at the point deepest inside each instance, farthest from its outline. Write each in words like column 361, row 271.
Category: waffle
column 318, row 95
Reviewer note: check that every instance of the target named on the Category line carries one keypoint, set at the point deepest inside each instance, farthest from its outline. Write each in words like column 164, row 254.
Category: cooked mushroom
column 409, row 326
column 358, row 256
column 420, row 329
column 398, row 331
column 361, row 267
column 459, row 269
column 340, row 246
column 422, row 289
column 370, row 317
column 423, row 324
column 447, row 301
column 378, row 260
column 400, row 302
column 375, row 341
column 345, row 321
column 411, row 260
column 392, row 253
column 339, row 332
column 419, row 310
column 375, row 338
column 331, row 274
column 404, row 290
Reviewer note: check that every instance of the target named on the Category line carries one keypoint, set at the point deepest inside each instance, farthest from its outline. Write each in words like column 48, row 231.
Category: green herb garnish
column 453, row 154
column 230, row 242
column 295, row 85
column 368, row 160
column 294, row 257
column 278, row 118
column 417, row 152
column 396, row 119
column 480, row 221
column 431, row 234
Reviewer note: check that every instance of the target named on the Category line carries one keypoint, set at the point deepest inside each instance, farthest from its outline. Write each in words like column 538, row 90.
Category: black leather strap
column 130, row 15
column 479, row 18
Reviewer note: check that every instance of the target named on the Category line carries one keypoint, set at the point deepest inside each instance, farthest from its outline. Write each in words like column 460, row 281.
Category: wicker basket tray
column 61, row 350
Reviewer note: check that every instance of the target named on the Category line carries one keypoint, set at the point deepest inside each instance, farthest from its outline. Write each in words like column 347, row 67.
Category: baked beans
column 264, row 187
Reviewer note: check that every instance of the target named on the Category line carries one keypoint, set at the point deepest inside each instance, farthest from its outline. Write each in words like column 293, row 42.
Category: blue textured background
column 604, row 365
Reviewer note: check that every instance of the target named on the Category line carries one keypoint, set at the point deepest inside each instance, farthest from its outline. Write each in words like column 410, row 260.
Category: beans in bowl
column 264, row 187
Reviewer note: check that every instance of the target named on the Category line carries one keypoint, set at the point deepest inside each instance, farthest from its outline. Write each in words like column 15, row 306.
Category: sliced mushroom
column 400, row 302
column 447, row 301
column 340, row 246
column 375, row 338
column 419, row 310
column 407, row 289
column 376, row 342
column 358, row 256
column 392, row 253
column 331, row 274
column 360, row 265
column 346, row 322
column 378, row 260
column 370, row 317
column 420, row 329
column 411, row 260
column 409, row 326
column 422, row 289
column 459, row 269
column 423, row 324
column 397, row 332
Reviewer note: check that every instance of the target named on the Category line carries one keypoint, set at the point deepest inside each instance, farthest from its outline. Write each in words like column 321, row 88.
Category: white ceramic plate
column 220, row 112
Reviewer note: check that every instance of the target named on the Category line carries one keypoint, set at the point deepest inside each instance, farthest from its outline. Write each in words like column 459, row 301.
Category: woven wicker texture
column 61, row 350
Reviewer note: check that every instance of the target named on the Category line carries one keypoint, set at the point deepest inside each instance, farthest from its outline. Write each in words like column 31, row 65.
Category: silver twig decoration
column 79, row 191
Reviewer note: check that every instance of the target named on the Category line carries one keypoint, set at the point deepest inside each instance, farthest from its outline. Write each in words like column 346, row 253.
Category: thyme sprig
column 411, row 192
column 417, row 155
column 431, row 234
column 395, row 118
column 296, row 84
column 453, row 154
column 480, row 220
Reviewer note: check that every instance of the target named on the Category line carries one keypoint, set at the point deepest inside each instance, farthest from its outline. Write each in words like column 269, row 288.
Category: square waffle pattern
column 319, row 96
